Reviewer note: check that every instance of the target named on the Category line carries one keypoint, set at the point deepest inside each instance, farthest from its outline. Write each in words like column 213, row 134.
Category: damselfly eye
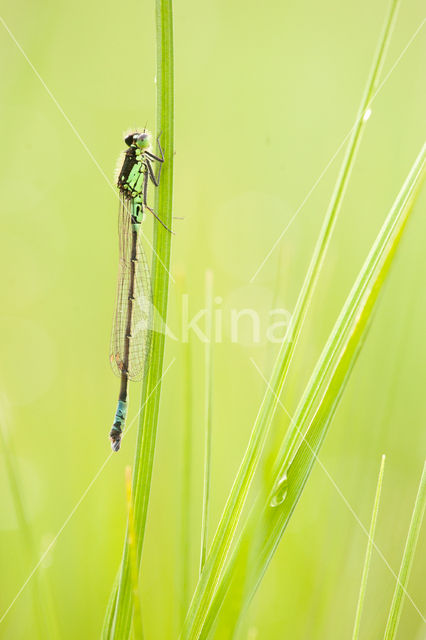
column 142, row 140
column 130, row 139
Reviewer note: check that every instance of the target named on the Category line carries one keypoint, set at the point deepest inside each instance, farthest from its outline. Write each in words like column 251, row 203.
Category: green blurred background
column 265, row 94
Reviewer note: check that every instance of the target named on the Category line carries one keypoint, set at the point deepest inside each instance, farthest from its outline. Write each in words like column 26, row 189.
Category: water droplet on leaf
column 280, row 492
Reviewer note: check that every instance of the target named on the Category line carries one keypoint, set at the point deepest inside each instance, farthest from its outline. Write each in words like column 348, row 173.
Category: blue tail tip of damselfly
column 115, row 439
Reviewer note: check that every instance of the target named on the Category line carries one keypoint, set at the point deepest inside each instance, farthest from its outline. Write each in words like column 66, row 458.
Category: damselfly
column 130, row 341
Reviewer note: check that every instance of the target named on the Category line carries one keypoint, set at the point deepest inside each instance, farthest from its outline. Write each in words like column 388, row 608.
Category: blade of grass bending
column 407, row 560
column 227, row 526
column 43, row 605
column 338, row 358
column 131, row 541
column 145, row 446
column 207, row 419
column 239, row 570
column 366, row 568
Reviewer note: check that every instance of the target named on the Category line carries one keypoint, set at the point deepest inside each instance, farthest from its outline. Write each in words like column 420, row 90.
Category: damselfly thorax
column 131, row 178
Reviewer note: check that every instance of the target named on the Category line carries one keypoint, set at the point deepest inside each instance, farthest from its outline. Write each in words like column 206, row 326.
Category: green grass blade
column 227, row 526
column 110, row 610
column 367, row 561
column 407, row 560
column 145, row 446
column 134, row 569
column 207, row 420
column 317, row 406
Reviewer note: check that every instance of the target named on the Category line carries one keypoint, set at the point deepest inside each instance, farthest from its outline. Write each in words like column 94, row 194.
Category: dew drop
column 280, row 492
column 367, row 114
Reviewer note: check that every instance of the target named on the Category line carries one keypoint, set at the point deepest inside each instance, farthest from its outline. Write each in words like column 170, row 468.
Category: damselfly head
column 130, row 138
column 141, row 140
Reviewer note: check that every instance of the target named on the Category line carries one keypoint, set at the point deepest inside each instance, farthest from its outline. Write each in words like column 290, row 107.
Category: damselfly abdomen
column 130, row 341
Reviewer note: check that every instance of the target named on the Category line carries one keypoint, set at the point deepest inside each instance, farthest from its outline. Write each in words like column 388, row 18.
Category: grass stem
column 131, row 541
column 367, row 561
column 150, row 401
column 407, row 560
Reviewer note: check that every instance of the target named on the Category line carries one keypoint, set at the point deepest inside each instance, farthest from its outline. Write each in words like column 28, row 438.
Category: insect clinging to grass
column 130, row 341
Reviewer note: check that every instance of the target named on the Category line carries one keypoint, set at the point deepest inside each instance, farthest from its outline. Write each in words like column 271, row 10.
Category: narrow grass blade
column 145, row 446
column 229, row 521
column 207, row 419
column 110, row 610
column 316, row 408
column 366, row 568
column 407, row 560
column 134, row 570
